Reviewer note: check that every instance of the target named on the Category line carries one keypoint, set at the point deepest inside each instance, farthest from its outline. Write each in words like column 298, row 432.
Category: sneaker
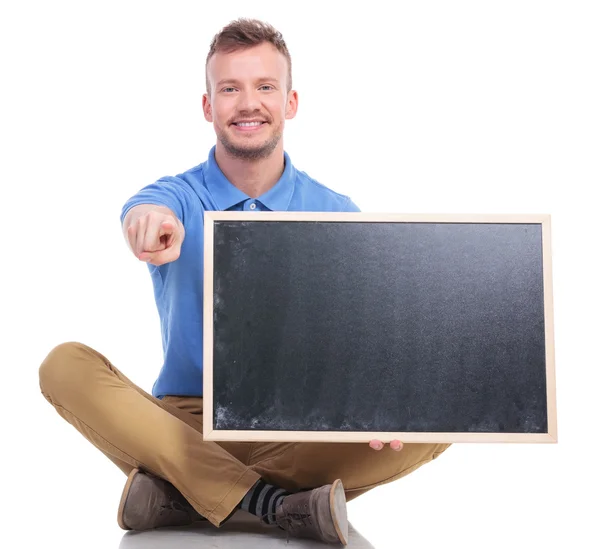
column 317, row 514
column 150, row 502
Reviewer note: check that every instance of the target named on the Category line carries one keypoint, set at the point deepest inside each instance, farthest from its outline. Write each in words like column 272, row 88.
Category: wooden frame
column 210, row 217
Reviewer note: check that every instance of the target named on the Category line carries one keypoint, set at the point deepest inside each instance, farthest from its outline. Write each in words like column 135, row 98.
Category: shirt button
column 253, row 206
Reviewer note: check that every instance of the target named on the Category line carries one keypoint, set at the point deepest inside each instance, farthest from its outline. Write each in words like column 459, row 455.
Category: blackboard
column 354, row 326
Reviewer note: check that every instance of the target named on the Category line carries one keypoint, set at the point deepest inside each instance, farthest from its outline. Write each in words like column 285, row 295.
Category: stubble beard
column 251, row 151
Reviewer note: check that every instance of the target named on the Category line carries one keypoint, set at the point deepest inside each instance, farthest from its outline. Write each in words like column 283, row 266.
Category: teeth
column 249, row 123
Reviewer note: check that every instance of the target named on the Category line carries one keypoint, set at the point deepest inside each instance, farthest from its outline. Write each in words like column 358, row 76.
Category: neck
column 253, row 177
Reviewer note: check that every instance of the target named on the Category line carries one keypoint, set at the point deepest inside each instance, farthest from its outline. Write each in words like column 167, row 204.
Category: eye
column 225, row 89
column 267, row 86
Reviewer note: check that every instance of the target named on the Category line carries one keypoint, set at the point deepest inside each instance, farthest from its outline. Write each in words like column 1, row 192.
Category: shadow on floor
column 242, row 531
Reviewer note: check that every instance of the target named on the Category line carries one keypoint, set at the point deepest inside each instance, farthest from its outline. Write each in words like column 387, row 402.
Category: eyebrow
column 234, row 81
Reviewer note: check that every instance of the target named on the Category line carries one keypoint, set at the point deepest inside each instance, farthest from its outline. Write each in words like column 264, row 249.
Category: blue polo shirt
column 178, row 286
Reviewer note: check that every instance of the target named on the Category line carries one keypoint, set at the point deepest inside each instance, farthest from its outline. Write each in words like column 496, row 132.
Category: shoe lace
column 292, row 521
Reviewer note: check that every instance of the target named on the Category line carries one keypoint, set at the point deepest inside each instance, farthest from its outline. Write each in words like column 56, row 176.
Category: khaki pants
column 164, row 437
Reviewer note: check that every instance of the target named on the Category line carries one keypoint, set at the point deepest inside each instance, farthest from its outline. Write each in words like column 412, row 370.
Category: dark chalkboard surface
column 353, row 326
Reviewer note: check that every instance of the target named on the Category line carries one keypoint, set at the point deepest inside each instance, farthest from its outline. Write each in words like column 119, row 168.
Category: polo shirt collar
column 226, row 194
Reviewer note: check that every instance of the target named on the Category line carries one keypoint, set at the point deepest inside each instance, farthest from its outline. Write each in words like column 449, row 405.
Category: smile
column 248, row 126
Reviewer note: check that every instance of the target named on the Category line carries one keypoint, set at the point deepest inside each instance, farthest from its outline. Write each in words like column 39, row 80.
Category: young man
column 174, row 476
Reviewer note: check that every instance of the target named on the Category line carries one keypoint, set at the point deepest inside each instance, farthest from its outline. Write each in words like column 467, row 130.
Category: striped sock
column 263, row 499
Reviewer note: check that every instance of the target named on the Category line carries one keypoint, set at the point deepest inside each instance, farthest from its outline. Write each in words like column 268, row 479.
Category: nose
column 249, row 100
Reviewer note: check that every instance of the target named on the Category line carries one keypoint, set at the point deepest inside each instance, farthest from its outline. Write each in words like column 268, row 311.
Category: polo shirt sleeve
column 172, row 192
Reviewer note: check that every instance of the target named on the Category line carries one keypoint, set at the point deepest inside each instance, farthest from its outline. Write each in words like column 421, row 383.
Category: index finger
column 166, row 227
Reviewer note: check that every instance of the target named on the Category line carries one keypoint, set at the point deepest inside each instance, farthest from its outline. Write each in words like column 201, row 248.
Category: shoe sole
column 339, row 514
column 124, row 495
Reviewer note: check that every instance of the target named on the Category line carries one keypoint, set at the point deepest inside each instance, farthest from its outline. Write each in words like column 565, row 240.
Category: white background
column 449, row 106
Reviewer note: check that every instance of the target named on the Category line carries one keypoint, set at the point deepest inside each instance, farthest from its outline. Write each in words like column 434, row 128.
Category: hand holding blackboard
column 378, row 445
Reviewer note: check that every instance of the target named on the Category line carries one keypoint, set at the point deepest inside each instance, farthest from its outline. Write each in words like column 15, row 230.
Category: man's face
column 249, row 86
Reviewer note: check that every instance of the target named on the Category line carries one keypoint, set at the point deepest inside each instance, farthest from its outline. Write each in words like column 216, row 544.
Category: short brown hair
column 245, row 33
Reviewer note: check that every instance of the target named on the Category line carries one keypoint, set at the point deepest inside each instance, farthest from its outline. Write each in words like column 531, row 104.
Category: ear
column 292, row 105
column 207, row 108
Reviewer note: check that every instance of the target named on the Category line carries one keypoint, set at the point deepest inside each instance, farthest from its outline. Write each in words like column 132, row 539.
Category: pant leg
column 134, row 429
column 194, row 407
column 299, row 466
